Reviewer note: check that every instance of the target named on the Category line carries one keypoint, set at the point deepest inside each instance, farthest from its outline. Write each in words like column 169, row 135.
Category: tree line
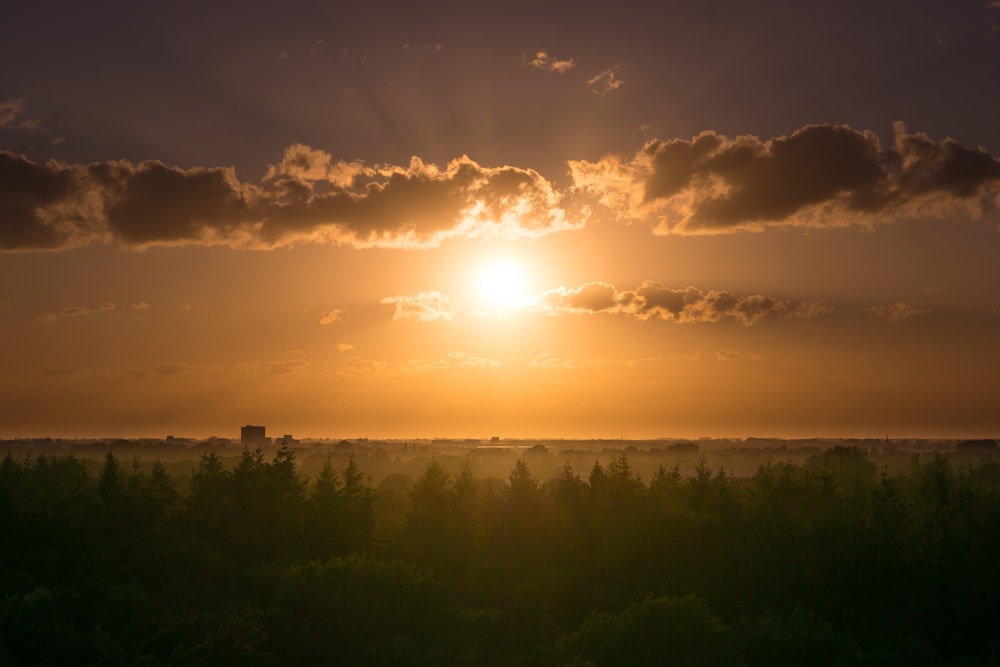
column 832, row 562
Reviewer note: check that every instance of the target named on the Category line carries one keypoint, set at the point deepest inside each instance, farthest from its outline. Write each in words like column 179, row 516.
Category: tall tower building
column 252, row 436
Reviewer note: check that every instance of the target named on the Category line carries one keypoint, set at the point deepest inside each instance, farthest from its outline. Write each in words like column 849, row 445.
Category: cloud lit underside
column 818, row 176
column 306, row 198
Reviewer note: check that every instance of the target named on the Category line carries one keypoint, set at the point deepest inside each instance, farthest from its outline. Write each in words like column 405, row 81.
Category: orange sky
column 625, row 221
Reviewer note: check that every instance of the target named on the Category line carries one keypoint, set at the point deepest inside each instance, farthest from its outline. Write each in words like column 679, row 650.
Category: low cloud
column 175, row 368
column 734, row 355
column 551, row 361
column 344, row 347
column 286, row 367
column 463, row 360
column 898, row 312
column 423, row 306
column 654, row 300
column 451, row 361
column 543, row 61
column 76, row 311
column 819, row 176
column 422, row 366
column 357, row 366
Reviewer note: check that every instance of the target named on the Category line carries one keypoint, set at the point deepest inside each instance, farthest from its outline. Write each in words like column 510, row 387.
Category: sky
column 581, row 220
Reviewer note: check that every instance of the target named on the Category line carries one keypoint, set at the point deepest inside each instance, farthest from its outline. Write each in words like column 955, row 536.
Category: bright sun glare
column 502, row 284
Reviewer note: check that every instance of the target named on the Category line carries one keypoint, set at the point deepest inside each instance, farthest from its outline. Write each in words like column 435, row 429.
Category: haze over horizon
column 632, row 220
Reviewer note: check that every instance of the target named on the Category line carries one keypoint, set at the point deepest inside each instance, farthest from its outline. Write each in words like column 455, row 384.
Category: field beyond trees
column 348, row 553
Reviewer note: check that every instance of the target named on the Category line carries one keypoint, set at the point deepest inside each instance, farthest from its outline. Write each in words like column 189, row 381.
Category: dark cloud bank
column 820, row 176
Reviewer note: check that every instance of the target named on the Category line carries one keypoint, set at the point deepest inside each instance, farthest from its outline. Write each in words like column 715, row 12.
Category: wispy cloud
column 897, row 312
column 331, row 316
column 422, row 366
column 358, row 366
column 451, row 361
column 12, row 116
column 417, row 48
column 551, row 361
column 287, row 367
column 429, row 306
column 605, row 82
column 76, row 311
column 463, row 360
column 180, row 368
column 734, row 355
column 543, row 61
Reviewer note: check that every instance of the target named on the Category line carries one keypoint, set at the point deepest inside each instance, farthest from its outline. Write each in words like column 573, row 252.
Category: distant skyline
column 403, row 220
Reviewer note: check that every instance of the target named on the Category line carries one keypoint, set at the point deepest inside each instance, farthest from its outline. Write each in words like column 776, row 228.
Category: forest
column 830, row 560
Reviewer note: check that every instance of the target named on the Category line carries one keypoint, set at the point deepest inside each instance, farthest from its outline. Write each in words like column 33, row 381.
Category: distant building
column 287, row 440
column 253, row 436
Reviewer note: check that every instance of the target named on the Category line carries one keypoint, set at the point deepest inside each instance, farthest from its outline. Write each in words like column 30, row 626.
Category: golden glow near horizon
column 435, row 228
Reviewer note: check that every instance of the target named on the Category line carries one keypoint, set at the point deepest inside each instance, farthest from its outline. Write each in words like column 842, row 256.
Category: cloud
column 471, row 361
column 140, row 305
column 174, row 368
column 344, row 347
column 286, row 367
column 549, row 360
column 413, row 48
column 452, row 360
column 733, row 355
column 898, row 312
column 331, row 316
column 76, row 311
column 11, row 111
column 421, row 366
column 541, row 60
column 593, row 297
column 654, row 300
column 304, row 163
column 358, row 366
column 423, row 306
column 605, row 82
column 821, row 175
column 307, row 197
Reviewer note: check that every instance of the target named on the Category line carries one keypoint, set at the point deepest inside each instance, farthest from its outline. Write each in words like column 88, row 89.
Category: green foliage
column 657, row 631
column 827, row 563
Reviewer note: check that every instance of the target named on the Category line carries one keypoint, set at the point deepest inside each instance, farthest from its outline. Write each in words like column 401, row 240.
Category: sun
column 501, row 284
